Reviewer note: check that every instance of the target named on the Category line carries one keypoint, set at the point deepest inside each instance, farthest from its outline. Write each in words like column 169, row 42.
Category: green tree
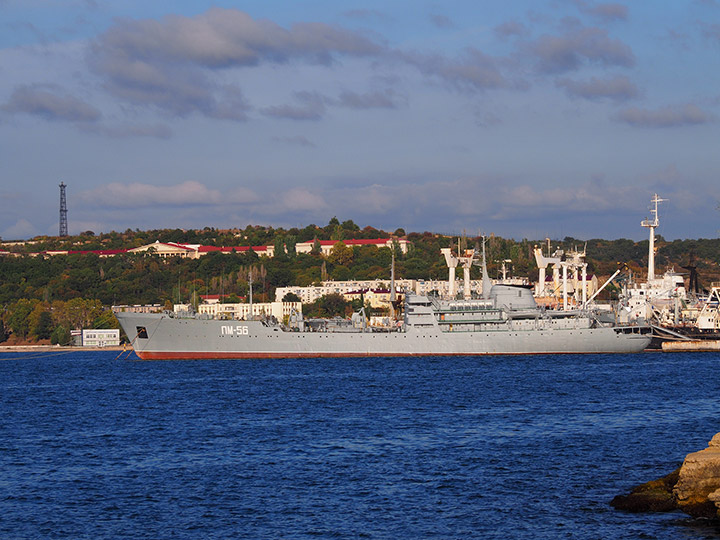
column 77, row 313
column 279, row 277
column 341, row 273
column 331, row 228
column 60, row 336
column 19, row 317
column 338, row 233
column 279, row 246
column 290, row 245
column 341, row 254
column 330, row 305
column 350, row 226
column 43, row 328
column 308, row 233
column 291, row 297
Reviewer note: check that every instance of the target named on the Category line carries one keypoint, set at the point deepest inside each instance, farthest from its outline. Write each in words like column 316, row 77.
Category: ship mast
column 250, row 311
column 652, row 224
column 486, row 282
column 392, row 278
column 393, row 297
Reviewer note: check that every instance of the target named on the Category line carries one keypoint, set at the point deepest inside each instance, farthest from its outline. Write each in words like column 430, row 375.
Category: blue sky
column 525, row 119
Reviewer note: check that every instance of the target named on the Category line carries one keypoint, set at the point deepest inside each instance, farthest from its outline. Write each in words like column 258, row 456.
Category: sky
column 523, row 119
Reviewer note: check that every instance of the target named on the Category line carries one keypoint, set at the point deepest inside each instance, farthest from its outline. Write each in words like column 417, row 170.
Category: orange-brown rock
column 694, row 488
column 697, row 491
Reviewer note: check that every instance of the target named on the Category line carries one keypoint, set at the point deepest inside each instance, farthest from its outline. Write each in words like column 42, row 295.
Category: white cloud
column 300, row 199
column 617, row 88
column 665, row 117
column 138, row 195
column 79, row 226
column 472, row 71
column 173, row 63
column 478, row 200
column 578, row 46
column 51, row 103
column 295, row 140
column 21, row 230
column 121, row 131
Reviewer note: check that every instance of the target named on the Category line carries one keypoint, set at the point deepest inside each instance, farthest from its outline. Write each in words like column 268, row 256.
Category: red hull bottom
column 210, row 355
column 228, row 356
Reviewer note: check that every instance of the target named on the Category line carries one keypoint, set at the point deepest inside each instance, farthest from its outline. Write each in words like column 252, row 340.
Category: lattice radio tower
column 63, row 211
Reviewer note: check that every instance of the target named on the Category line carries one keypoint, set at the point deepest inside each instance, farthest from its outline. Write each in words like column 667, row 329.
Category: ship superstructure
column 659, row 299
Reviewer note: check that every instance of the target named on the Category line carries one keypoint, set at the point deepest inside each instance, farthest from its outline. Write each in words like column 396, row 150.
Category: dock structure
column 691, row 346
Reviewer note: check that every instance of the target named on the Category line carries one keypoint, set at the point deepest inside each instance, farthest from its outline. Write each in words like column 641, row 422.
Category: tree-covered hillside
column 149, row 279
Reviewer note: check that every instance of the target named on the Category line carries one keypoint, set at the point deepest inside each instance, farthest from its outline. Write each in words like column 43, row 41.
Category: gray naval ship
column 506, row 320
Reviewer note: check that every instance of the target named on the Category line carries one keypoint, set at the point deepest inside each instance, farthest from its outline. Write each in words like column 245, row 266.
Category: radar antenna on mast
column 652, row 224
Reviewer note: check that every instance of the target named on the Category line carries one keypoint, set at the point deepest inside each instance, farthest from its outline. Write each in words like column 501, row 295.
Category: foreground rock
column 694, row 488
column 697, row 491
column 654, row 496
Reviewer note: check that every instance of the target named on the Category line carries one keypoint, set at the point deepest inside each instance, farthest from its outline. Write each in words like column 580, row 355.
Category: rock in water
column 654, row 496
column 694, row 488
column 697, row 491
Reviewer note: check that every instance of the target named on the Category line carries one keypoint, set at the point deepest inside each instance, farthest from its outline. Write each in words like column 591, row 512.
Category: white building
column 101, row 338
column 309, row 294
column 327, row 245
column 195, row 251
column 242, row 311
column 147, row 308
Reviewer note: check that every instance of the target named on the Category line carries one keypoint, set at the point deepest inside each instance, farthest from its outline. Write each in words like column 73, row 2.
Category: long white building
column 247, row 311
column 195, row 251
column 311, row 293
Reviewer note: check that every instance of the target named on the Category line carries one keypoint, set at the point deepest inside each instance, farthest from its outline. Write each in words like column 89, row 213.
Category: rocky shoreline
column 693, row 488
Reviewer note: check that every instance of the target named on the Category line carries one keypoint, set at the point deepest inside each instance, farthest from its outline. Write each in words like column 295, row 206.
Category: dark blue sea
column 95, row 446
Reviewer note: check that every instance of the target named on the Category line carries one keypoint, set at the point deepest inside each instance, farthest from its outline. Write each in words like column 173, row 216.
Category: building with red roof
column 195, row 251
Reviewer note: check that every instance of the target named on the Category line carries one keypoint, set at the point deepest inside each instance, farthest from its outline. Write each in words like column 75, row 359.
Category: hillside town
column 334, row 270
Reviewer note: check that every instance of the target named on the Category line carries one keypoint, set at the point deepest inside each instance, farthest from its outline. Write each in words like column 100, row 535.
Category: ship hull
column 159, row 337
